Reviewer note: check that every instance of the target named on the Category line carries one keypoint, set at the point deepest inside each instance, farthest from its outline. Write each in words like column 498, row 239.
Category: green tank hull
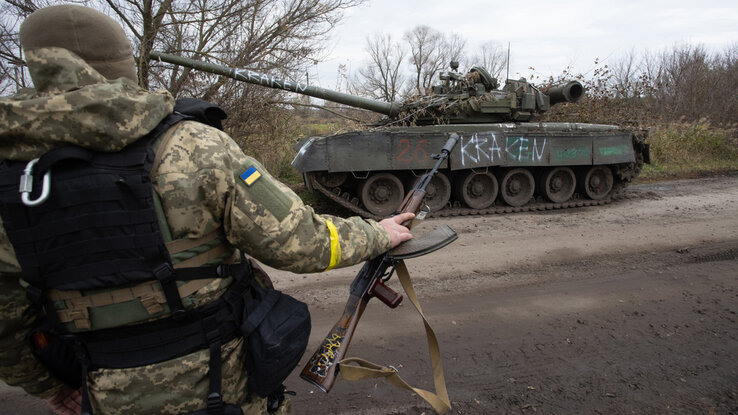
column 502, row 164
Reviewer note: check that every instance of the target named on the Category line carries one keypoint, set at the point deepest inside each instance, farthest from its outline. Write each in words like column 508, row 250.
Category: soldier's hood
column 73, row 104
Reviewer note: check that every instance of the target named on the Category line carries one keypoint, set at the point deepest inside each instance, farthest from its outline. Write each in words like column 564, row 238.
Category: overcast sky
column 545, row 35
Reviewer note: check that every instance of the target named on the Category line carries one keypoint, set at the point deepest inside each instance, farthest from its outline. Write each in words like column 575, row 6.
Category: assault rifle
column 323, row 366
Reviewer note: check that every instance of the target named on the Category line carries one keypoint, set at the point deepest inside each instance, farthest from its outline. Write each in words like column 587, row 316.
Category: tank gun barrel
column 388, row 108
column 571, row 91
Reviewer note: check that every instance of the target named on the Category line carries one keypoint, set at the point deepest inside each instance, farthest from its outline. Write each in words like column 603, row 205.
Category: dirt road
column 626, row 308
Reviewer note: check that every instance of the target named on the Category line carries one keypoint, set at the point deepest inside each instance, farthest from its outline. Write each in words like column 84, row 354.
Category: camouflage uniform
column 196, row 175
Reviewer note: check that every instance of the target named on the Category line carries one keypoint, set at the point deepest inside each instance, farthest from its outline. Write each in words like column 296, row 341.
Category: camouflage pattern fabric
column 174, row 387
column 197, row 176
column 17, row 364
column 198, row 180
column 73, row 104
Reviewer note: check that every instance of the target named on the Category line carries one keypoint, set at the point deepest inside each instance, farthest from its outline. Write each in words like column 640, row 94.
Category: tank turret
column 458, row 99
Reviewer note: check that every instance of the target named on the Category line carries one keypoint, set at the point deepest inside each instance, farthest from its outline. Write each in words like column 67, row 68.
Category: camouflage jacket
column 205, row 183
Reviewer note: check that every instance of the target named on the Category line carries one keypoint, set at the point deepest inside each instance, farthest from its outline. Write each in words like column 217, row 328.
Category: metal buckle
column 26, row 185
column 215, row 403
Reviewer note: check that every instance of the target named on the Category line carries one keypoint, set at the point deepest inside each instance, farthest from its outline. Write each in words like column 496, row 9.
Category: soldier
column 210, row 203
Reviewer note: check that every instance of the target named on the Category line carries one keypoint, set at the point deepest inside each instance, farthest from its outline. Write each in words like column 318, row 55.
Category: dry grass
column 691, row 150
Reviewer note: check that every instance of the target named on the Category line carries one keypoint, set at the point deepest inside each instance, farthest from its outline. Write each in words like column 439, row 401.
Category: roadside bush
column 269, row 139
column 686, row 148
column 271, row 136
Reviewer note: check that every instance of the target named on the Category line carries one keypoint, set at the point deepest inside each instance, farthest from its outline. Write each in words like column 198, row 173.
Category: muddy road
column 626, row 308
column 619, row 309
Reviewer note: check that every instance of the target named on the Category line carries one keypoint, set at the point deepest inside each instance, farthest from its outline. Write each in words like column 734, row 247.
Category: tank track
column 344, row 199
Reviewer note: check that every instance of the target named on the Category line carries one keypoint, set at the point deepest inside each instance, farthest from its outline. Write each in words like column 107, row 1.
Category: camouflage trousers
column 176, row 386
column 18, row 366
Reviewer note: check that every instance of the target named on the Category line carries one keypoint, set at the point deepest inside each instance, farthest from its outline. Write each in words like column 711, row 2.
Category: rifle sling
column 355, row 368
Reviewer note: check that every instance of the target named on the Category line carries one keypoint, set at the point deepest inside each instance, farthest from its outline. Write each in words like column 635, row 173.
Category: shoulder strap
column 355, row 368
column 186, row 109
column 202, row 111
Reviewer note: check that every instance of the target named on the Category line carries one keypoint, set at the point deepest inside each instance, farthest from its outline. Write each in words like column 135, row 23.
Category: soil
column 617, row 309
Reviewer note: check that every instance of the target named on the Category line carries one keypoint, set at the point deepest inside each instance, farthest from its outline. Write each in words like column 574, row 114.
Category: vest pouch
column 57, row 353
column 276, row 330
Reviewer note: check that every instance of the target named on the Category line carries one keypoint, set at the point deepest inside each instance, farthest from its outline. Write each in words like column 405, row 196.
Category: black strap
column 165, row 274
column 211, row 326
column 157, row 342
column 84, row 360
column 169, row 338
column 202, row 111
column 260, row 312
column 63, row 153
column 86, row 406
column 215, row 397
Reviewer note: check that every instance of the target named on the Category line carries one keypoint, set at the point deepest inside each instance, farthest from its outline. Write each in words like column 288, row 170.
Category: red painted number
column 408, row 154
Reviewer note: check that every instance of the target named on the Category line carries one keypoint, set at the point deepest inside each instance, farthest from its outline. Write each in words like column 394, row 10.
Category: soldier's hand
column 393, row 226
column 67, row 401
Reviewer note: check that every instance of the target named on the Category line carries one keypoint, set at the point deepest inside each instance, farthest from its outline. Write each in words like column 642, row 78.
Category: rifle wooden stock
column 321, row 369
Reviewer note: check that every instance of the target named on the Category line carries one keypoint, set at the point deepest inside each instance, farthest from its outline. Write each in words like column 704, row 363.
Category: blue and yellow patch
column 250, row 176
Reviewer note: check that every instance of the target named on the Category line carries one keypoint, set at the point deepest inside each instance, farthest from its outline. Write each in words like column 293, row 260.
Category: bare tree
column 262, row 34
column 686, row 79
column 626, row 76
column 144, row 19
column 431, row 51
column 727, row 73
column 12, row 75
column 381, row 78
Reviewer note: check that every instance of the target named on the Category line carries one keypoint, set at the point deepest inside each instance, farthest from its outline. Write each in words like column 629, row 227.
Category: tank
column 504, row 161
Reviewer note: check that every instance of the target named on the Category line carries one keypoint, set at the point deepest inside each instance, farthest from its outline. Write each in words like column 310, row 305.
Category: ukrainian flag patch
column 250, row 176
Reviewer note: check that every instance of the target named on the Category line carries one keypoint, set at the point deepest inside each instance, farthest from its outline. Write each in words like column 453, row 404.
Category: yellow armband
column 335, row 245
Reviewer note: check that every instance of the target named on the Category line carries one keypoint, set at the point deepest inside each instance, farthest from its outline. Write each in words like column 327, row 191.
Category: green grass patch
column 684, row 150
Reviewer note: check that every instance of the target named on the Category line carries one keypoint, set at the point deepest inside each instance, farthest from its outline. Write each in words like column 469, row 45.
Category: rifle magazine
column 424, row 244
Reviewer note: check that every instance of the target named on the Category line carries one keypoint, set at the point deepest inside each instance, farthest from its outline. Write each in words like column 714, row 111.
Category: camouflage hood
column 74, row 104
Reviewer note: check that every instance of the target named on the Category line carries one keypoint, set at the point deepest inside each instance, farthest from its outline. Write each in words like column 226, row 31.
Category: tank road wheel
column 382, row 193
column 477, row 190
column 438, row 192
column 597, row 182
column 330, row 180
column 517, row 187
column 558, row 184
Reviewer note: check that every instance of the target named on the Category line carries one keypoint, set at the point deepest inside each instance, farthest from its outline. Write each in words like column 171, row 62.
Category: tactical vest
column 87, row 221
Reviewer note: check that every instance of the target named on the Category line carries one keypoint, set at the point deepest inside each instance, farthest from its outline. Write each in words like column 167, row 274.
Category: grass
column 690, row 150
column 315, row 128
